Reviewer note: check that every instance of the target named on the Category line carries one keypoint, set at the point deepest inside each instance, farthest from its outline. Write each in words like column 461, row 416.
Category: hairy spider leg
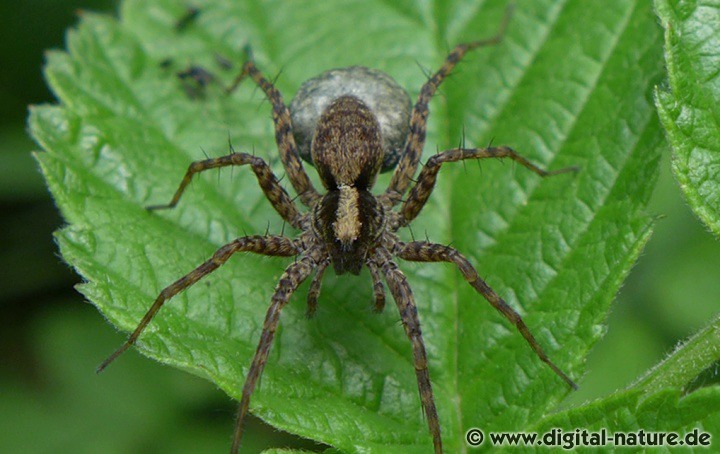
column 314, row 290
column 405, row 301
column 407, row 166
column 283, row 132
column 293, row 276
column 422, row 251
column 269, row 183
column 265, row 245
column 378, row 289
column 426, row 180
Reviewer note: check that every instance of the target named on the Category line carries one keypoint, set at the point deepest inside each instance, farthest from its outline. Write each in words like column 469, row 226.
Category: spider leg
column 402, row 294
column 270, row 185
column 265, row 245
column 422, row 251
column 378, row 288
column 314, row 291
column 418, row 121
column 283, row 132
column 293, row 276
column 426, row 180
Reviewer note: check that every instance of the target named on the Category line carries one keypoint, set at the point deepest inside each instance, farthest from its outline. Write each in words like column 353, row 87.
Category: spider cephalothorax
column 349, row 140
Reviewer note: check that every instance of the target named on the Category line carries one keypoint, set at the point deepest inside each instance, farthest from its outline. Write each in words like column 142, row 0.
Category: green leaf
column 569, row 85
column 118, row 415
column 131, row 408
column 629, row 411
column 658, row 402
column 690, row 110
column 686, row 362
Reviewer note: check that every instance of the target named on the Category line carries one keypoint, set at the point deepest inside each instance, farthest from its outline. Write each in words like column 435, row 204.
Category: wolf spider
column 348, row 226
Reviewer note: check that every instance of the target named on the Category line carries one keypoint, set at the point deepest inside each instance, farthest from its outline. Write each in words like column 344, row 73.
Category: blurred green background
column 52, row 340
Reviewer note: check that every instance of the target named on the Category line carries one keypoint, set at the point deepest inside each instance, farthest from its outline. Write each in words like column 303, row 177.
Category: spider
column 348, row 226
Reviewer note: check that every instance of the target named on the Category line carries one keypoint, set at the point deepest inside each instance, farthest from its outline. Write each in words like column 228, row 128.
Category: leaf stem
column 686, row 362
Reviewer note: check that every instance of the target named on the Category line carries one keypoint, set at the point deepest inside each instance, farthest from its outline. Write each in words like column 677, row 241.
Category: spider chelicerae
column 349, row 227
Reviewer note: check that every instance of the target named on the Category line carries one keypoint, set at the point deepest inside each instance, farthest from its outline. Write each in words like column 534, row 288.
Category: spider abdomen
column 346, row 146
column 386, row 99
